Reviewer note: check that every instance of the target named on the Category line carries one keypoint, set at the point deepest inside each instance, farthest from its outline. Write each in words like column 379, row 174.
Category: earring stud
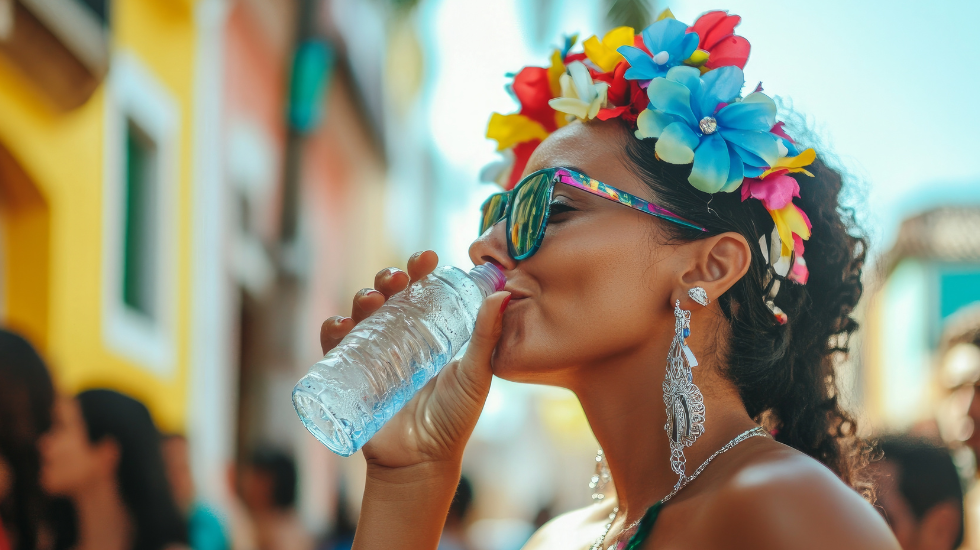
column 699, row 295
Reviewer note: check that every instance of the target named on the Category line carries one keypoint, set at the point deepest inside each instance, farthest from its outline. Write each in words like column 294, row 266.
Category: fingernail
column 503, row 304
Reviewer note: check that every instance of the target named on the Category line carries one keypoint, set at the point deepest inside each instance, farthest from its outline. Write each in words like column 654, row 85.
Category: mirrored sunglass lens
column 527, row 210
column 493, row 211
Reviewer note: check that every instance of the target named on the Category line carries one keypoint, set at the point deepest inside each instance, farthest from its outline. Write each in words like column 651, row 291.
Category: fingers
column 421, row 264
column 387, row 282
column 475, row 368
column 390, row 281
column 333, row 330
column 366, row 302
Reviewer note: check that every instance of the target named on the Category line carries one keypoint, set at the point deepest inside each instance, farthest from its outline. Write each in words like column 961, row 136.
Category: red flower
column 638, row 43
column 533, row 91
column 522, row 153
column 716, row 29
column 626, row 96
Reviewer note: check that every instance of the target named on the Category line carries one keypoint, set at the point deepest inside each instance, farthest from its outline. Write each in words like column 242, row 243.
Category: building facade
column 168, row 230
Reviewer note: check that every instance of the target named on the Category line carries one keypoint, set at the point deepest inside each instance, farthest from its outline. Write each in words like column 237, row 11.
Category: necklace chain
column 757, row 431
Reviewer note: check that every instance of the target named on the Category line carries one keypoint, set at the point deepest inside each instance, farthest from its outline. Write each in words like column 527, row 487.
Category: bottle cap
column 490, row 275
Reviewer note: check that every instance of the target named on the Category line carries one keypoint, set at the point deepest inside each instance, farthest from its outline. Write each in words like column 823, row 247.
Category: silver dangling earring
column 684, row 402
column 600, row 478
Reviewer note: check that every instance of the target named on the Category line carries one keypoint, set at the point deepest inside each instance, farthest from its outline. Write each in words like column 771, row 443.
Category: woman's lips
column 516, row 294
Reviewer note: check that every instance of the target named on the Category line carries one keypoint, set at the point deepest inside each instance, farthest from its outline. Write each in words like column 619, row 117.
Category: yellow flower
column 555, row 71
column 604, row 53
column 793, row 164
column 509, row 130
column 789, row 219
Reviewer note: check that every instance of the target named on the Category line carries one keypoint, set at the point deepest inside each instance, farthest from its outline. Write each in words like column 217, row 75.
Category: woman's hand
column 434, row 426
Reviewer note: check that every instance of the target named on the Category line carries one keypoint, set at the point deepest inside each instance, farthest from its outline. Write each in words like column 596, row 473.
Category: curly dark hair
column 785, row 374
column 26, row 400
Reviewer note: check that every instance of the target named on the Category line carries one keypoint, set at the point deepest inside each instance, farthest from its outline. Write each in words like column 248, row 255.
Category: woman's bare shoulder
column 574, row 529
column 783, row 498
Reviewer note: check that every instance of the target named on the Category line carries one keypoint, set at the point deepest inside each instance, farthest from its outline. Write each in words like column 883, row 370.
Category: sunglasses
column 526, row 207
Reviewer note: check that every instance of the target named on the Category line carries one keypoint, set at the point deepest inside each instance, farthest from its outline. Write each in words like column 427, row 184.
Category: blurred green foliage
column 631, row 13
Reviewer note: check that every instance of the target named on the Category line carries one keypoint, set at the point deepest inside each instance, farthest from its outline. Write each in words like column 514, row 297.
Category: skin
column 973, row 442
column 177, row 461
column 592, row 311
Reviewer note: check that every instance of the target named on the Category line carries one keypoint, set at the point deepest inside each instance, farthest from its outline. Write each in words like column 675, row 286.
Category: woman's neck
column 103, row 520
column 626, row 411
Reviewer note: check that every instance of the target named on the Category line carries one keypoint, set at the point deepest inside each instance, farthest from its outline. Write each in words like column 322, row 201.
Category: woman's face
column 70, row 463
column 597, row 288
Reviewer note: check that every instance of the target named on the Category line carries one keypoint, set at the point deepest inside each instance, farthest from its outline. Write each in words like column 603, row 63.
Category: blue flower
column 698, row 119
column 669, row 44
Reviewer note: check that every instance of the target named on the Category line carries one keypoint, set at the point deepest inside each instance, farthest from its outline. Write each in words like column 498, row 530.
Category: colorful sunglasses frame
column 577, row 180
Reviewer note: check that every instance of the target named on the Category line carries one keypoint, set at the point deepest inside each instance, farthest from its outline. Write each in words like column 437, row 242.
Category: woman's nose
column 491, row 247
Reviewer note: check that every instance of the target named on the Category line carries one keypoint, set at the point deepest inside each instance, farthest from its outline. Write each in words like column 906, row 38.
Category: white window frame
column 134, row 95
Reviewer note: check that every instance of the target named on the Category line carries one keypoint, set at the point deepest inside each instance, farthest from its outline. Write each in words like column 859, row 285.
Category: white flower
column 499, row 170
column 581, row 97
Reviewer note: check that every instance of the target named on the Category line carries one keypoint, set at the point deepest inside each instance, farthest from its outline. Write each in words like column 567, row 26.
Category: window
column 140, row 225
column 140, row 232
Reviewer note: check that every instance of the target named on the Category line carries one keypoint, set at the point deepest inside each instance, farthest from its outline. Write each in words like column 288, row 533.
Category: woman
column 103, row 455
column 605, row 289
column 26, row 399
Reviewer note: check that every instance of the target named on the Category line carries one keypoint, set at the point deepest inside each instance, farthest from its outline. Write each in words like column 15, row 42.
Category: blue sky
column 893, row 88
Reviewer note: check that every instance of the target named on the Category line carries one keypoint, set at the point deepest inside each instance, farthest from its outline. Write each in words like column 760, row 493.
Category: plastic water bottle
column 376, row 369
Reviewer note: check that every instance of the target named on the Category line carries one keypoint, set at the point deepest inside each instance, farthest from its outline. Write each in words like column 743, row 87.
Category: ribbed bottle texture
column 376, row 369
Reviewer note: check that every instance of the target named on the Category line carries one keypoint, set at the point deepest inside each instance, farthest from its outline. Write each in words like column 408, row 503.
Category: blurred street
column 188, row 188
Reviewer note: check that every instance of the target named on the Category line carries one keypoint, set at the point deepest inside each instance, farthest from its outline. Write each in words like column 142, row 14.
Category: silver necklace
column 757, row 431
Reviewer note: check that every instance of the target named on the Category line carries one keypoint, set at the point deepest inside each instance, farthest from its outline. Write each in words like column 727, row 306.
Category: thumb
column 474, row 366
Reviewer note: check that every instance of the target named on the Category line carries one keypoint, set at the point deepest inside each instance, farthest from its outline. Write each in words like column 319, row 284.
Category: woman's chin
column 506, row 365
column 514, row 368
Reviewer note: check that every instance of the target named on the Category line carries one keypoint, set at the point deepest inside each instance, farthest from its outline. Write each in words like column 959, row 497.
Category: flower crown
column 682, row 86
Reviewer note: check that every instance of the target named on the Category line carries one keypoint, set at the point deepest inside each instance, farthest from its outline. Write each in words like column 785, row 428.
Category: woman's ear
column 717, row 263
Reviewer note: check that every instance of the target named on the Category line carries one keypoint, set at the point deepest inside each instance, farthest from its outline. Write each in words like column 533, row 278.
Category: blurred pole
column 312, row 64
column 294, row 139
column 213, row 376
column 313, row 60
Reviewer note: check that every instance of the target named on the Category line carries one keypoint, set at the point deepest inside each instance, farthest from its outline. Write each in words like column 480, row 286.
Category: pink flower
column 799, row 272
column 779, row 129
column 776, row 190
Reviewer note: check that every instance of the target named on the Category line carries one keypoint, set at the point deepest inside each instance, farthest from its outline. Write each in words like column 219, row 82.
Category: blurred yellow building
column 187, row 189
column 96, row 149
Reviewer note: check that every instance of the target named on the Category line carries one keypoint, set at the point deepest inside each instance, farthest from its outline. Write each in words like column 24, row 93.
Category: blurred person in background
column 26, row 400
column 204, row 529
column 454, row 532
column 268, row 489
column 605, row 288
column 919, row 493
column 341, row 536
column 972, row 499
column 103, row 455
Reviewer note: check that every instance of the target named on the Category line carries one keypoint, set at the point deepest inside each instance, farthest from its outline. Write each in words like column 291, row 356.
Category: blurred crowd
column 91, row 471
